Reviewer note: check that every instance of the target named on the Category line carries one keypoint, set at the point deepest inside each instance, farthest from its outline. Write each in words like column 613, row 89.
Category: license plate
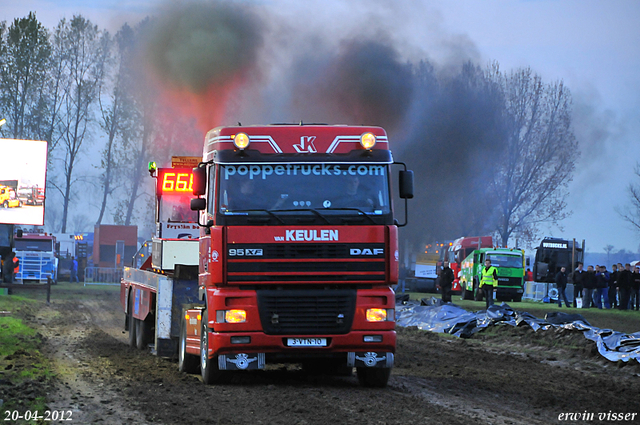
column 307, row 342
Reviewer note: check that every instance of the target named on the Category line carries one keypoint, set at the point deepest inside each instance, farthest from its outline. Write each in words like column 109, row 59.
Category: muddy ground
column 503, row 375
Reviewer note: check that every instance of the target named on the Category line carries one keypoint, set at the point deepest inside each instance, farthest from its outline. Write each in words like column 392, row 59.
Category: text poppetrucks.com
column 593, row 416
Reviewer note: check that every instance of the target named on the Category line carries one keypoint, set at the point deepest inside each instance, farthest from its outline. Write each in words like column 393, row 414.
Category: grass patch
column 24, row 371
column 64, row 291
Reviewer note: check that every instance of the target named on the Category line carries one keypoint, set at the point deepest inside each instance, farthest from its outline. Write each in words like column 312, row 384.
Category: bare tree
column 532, row 173
column 80, row 223
column 23, row 72
column 631, row 212
column 608, row 250
column 119, row 115
column 86, row 48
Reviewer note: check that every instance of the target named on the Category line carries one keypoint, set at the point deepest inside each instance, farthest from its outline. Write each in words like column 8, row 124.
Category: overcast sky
column 593, row 46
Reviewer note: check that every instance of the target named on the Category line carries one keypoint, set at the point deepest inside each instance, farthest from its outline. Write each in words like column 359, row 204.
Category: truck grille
column 510, row 281
column 307, row 263
column 35, row 266
column 306, row 312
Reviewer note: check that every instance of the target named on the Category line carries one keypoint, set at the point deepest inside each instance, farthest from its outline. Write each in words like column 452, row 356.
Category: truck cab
column 8, row 198
column 510, row 267
column 298, row 250
column 36, row 256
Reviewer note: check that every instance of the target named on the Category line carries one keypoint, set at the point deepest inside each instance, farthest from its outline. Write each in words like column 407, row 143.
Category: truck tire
column 143, row 333
column 132, row 323
column 5, row 204
column 208, row 367
column 187, row 363
column 463, row 291
column 476, row 290
column 373, row 377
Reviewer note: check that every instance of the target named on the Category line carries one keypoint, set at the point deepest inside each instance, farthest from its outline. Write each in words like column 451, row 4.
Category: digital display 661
column 176, row 181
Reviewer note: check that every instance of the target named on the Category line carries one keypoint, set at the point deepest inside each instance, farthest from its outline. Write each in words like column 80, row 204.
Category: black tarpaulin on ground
column 436, row 316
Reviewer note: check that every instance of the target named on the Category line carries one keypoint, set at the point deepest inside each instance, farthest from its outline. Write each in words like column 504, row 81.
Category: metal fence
column 536, row 291
column 102, row 276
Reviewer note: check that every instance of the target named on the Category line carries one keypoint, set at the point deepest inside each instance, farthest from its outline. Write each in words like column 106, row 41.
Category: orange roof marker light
column 241, row 141
column 368, row 140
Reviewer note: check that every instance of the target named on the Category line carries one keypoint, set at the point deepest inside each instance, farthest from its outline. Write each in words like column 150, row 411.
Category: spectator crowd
column 599, row 288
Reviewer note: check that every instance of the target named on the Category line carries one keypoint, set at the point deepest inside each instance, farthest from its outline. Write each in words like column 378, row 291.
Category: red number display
column 174, row 181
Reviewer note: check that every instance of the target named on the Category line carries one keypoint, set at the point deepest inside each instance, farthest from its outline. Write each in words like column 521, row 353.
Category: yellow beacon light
column 241, row 140
column 368, row 140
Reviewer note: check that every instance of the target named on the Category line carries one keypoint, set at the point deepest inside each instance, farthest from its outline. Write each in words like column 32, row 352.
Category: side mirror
column 198, row 204
column 199, row 186
column 406, row 184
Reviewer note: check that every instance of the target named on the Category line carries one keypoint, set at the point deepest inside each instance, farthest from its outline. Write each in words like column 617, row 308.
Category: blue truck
column 36, row 253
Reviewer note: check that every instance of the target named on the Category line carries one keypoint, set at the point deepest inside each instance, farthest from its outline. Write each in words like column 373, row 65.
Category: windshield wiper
column 307, row 209
column 260, row 210
column 352, row 209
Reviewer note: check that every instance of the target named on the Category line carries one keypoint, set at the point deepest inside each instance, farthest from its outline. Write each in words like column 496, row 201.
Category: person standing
column 635, row 289
column 446, row 280
column 625, row 279
column 74, row 270
column 589, row 286
column 529, row 275
column 489, row 281
column 561, row 284
column 8, row 267
column 578, row 284
column 613, row 284
column 602, row 288
column 16, row 267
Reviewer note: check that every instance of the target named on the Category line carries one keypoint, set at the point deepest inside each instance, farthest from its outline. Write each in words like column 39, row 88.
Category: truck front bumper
column 350, row 348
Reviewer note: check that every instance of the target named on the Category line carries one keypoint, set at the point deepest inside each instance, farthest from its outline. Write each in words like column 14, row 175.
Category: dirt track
column 505, row 376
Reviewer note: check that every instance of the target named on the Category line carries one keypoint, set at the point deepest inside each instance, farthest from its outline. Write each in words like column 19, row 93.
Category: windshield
column 177, row 208
column 505, row 260
column 33, row 245
column 321, row 190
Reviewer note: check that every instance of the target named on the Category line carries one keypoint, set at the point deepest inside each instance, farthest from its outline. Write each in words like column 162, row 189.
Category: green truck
column 510, row 265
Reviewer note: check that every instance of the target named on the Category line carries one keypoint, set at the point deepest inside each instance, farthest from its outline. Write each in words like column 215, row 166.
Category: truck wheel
column 208, row 367
column 373, row 377
column 477, row 291
column 187, row 363
column 143, row 333
column 132, row 323
column 463, row 291
column 5, row 204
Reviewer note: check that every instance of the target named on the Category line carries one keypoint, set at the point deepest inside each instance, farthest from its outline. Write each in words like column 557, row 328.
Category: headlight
column 231, row 316
column 380, row 314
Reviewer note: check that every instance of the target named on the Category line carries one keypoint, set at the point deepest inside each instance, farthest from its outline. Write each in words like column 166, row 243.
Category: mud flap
column 370, row 359
column 241, row 361
column 166, row 347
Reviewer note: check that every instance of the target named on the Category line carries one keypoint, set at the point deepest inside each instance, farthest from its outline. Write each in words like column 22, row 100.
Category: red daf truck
column 297, row 252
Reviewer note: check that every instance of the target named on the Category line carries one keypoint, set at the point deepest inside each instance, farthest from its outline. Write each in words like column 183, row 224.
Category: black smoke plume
column 197, row 45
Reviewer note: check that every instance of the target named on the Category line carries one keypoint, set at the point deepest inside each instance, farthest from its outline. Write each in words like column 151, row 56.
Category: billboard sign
column 23, row 175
